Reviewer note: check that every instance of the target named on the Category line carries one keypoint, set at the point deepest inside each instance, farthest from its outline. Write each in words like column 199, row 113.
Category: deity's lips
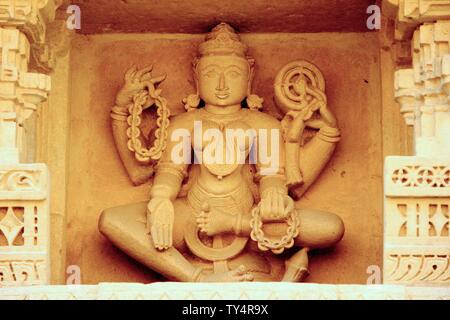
column 223, row 95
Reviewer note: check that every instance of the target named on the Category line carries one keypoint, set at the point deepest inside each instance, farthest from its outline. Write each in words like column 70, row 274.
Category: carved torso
column 223, row 178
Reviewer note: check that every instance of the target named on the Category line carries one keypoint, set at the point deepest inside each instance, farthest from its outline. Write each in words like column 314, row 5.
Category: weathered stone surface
column 197, row 16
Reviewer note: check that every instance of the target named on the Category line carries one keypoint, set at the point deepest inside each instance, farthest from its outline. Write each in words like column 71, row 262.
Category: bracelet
column 119, row 113
column 172, row 169
column 277, row 190
column 329, row 134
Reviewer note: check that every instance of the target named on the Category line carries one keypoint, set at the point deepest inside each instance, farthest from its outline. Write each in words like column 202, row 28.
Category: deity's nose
column 222, row 84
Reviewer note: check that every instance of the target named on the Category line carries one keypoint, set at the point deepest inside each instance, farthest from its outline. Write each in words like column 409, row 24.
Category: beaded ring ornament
column 135, row 144
column 277, row 246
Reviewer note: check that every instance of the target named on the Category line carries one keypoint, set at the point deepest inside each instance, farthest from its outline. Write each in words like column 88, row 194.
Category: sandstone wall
column 351, row 185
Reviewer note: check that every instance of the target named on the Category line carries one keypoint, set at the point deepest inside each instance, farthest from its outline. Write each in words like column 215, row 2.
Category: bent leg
column 125, row 227
column 319, row 229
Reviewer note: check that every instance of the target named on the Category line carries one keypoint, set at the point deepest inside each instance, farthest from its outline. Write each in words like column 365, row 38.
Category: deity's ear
column 251, row 72
column 254, row 102
column 192, row 101
column 195, row 71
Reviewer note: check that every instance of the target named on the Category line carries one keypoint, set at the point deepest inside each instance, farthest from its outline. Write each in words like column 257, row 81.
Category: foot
column 297, row 267
column 214, row 223
column 237, row 275
column 295, row 274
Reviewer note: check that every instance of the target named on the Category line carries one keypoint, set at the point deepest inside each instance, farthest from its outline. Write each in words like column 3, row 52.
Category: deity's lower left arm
column 314, row 156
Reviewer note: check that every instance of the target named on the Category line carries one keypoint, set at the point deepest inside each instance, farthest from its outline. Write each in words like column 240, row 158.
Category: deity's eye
column 233, row 74
column 211, row 74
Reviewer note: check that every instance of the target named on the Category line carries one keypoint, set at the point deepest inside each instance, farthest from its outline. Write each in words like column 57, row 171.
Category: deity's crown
column 222, row 40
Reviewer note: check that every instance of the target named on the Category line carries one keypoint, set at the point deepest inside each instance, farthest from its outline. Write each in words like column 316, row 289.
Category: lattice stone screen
column 417, row 217
column 24, row 225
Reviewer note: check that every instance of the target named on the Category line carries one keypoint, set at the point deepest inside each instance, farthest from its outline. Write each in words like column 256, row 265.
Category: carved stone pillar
column 417, row 188
column 24, row 187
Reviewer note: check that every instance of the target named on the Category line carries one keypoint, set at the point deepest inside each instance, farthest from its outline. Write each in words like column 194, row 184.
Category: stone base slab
column 232, row 291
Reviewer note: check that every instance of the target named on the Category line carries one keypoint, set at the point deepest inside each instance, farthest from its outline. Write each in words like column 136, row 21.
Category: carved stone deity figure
column 222, row 204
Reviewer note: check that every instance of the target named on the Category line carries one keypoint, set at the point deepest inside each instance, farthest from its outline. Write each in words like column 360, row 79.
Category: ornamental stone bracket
column 35, row 19
column 24, row 194
column 20, row 92
column 409, row 14
column 417, row 188
column 422, row 91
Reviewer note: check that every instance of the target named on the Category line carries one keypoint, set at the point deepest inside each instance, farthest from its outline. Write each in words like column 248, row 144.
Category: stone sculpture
column 222, row 205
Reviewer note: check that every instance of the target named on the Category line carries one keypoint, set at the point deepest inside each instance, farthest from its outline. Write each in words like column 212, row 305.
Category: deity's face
column 223, row 80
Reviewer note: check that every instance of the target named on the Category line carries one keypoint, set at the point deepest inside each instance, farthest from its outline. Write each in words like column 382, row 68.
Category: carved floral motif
column 19, row 180
column 417, row 176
